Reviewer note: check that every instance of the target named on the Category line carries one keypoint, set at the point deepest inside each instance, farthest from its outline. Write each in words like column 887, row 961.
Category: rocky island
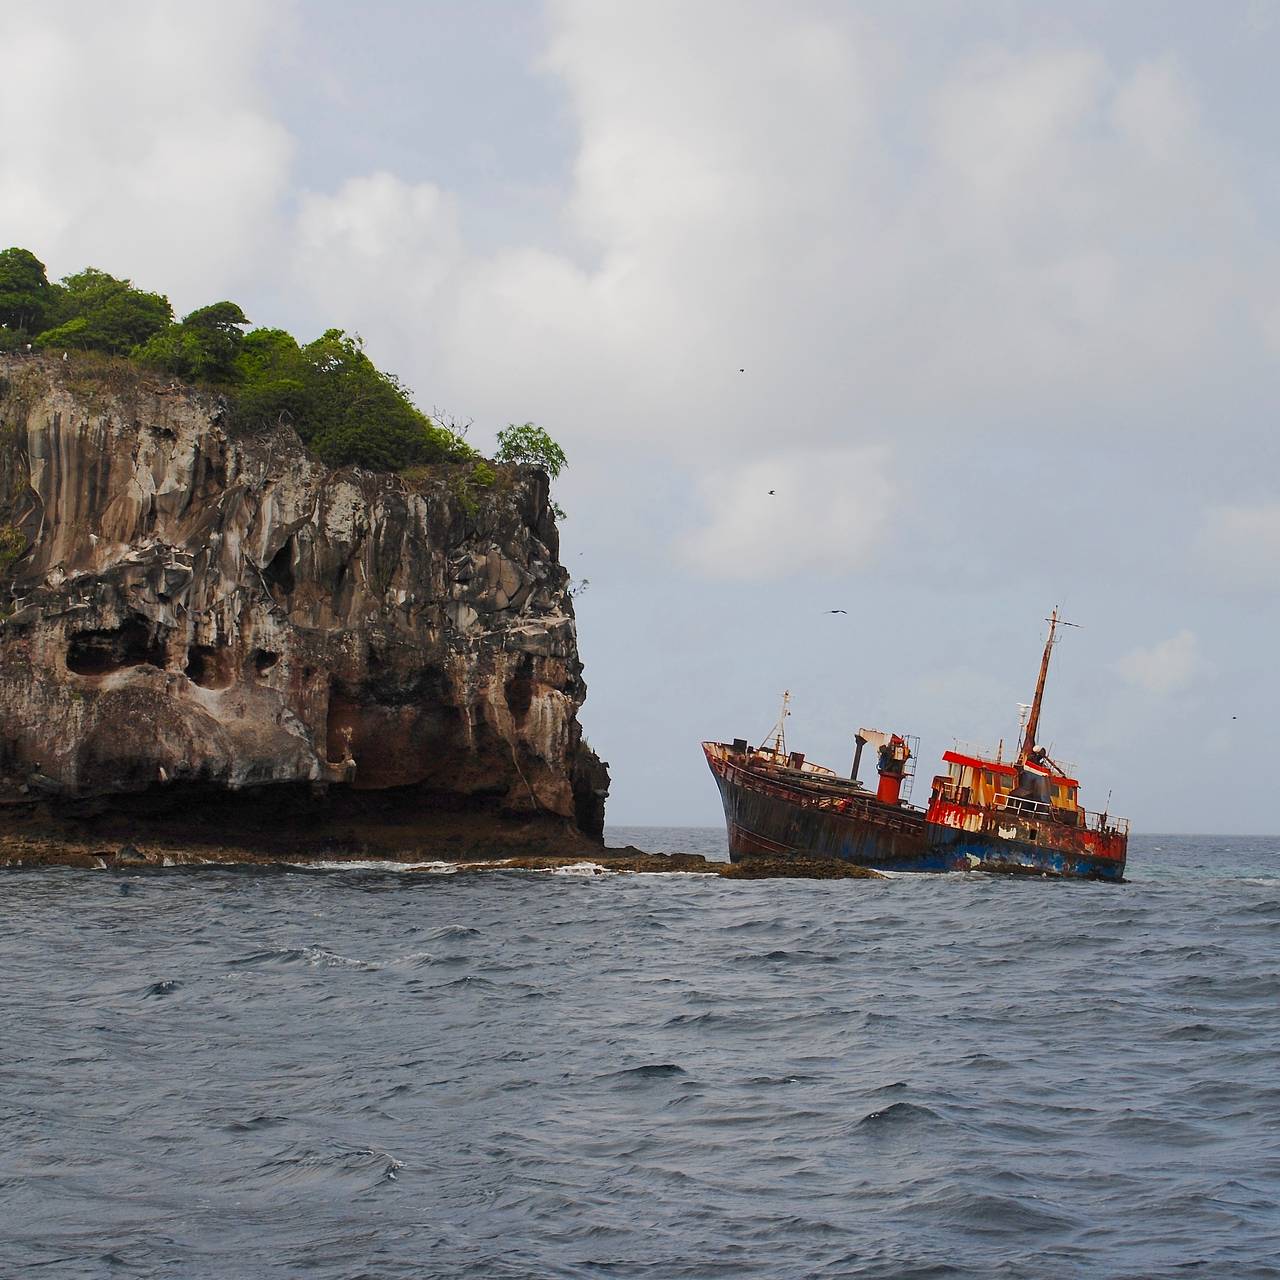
column 209, row 635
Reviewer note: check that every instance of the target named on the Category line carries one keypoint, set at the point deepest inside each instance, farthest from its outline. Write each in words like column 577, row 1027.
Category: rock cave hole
column 264, row 660
column 209, row 666
column 519, row 688
column 278, row 574
column 135, row 643
column 343, row 720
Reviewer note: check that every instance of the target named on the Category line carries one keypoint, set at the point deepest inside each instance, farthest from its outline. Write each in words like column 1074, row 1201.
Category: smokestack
column 857, row 755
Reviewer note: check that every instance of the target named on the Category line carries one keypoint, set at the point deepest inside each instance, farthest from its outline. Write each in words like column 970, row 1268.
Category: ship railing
column 947, row 789
column 1104, row 823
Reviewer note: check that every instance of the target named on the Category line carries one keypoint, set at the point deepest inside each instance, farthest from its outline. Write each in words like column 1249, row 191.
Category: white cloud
column 744, row 195
column 136, row 139
column 1239, row 546
column 1004, row 125
column 805, row 512
column 380, row 254
column 1157, row 109
column 1164, row 668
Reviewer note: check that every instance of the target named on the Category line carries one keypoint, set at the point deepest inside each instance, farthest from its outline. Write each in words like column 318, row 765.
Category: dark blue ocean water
column 349, row 1073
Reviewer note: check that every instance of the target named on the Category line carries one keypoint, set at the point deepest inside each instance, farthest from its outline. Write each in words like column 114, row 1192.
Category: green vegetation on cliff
column 96, row 312
column 530, row 443
column 345, row 409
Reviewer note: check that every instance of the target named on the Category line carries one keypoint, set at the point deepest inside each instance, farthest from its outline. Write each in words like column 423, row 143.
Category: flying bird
column 837, row 610
column 742, row 371
column 772, row 492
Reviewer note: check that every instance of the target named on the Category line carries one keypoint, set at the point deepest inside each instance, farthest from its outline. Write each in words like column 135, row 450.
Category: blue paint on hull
column 960, row 849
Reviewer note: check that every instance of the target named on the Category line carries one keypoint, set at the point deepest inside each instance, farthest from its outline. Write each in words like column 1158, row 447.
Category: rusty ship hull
column 778, row 811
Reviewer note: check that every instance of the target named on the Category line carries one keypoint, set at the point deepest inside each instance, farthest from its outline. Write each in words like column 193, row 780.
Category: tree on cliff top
column 204, row 347
column 25, row 292
column 528, row 442
column 92, row 310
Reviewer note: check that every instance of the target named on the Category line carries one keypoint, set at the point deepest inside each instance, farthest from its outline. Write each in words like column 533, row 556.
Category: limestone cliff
column 196, row 612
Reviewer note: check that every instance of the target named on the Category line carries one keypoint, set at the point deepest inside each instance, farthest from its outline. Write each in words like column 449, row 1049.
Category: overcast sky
column 987, row 293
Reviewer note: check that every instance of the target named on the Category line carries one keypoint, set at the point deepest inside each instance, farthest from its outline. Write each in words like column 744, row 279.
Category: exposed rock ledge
column 212, row 633
column 453, row 852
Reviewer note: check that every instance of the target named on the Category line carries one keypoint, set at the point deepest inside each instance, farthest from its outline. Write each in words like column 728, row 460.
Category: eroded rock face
column 201, row 609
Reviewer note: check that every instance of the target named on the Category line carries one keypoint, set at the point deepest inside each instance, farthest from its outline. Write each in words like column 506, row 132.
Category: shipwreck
column 1020, row 817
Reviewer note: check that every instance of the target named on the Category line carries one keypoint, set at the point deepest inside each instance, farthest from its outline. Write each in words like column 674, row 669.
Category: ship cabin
column 990, row 784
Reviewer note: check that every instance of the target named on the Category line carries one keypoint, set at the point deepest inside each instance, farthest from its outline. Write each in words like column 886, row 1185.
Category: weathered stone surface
column 202, row 611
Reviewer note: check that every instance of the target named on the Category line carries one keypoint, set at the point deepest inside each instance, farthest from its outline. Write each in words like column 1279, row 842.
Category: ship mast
column 780, row 729
column 1033, row 719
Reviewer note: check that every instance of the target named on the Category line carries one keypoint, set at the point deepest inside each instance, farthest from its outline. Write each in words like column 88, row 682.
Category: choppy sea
column 361, row 1073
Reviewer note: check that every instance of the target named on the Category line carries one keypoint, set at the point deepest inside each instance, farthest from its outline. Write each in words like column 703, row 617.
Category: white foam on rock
column 376, row 864
column 658, row 875
column 493, row 864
